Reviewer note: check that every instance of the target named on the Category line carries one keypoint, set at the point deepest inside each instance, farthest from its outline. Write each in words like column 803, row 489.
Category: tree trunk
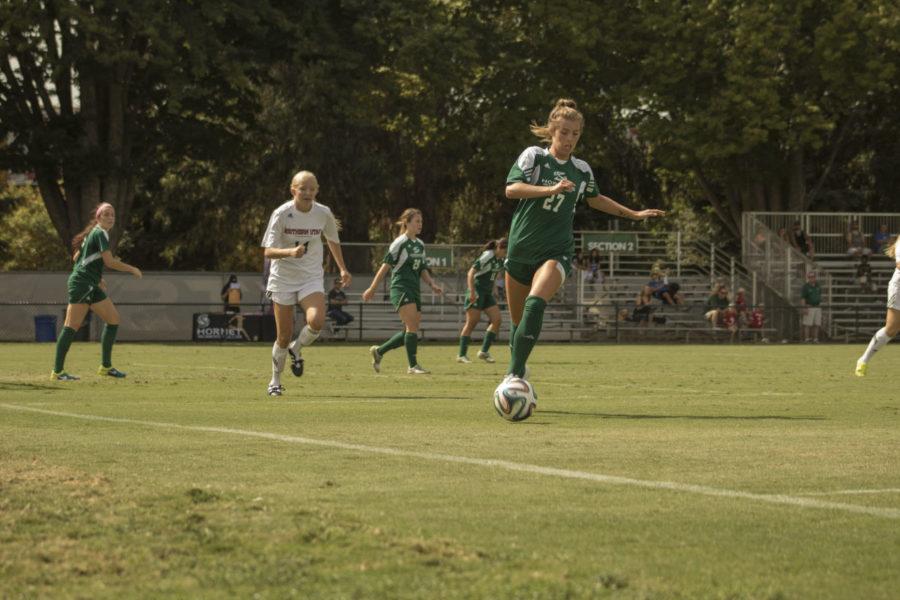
column 796, row 181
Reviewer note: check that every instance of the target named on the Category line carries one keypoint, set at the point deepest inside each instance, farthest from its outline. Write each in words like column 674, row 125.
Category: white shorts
column 295, row 296
column 812, row 316
column 893, row 300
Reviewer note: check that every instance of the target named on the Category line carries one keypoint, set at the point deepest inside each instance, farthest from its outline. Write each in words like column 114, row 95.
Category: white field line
column 851, row 492
column 887, row 513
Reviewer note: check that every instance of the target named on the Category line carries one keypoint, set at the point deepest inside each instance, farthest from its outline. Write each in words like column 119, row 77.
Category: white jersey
column 894, row 285
column 289, row 227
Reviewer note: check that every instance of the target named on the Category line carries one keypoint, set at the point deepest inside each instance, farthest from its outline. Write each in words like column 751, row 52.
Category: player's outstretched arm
column 610, row 206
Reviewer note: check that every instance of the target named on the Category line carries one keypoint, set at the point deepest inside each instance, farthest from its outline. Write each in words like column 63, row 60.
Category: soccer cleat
column 376, row 359
column 417, row 370
column 463, row 359
column 54, row 376
column 275, row 389
column 111, row 372
column 861, row 368
column 486, row 357
column 296, row 362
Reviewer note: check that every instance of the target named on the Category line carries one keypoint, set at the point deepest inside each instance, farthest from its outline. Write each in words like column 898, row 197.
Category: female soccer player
column 892, row 320
column 293, row 242
column 87, row 291
column 406, row 261
column 481, row 278
column 548, row 183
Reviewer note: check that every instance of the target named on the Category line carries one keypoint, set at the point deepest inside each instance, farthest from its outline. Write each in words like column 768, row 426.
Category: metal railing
column 828, row 231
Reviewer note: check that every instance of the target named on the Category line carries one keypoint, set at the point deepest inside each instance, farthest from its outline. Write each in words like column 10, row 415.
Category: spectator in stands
column 337, row 299
column 657, row 282
column 593, row 274
column 729, row 318
column 716, row 305
column 880, row 239
column 864, row 275
column 784, row 236
column 640, row 315
column 578, row 260
column 757, row 320
column 740, row 304
column 810, row 299
column 669, row 294
column 801, row 241
column 856, row 241
column 231, row 295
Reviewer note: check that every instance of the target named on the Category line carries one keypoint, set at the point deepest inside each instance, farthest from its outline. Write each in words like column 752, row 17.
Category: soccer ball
column 514, row 399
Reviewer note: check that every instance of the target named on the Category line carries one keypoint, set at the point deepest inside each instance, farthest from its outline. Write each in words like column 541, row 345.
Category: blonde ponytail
column 565, row 109
column 889, row 249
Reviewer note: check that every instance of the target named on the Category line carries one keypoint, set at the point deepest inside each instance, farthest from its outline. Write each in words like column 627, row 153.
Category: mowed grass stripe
column 778, row 499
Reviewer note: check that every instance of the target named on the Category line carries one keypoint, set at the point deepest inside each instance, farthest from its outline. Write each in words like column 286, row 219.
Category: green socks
column 107, row 339
column 512, row 334
column 464, row 344
column 402, row 338
column 62, row 348
column 489, row 338
column 412, row 345
column 395, row 342
column 527, row 333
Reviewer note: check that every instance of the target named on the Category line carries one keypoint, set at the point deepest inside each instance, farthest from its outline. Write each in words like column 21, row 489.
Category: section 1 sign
column 438, row 257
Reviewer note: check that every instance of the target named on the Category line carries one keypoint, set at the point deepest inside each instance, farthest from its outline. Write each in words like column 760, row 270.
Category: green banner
column 438, row 258
column 611, row 241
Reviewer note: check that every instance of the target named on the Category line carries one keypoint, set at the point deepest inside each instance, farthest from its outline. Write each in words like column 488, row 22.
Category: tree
column 759, row 101
column 92, row 90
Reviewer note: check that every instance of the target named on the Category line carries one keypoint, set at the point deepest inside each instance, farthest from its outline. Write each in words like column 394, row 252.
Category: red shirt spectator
column 729, row 318
column 757, row 318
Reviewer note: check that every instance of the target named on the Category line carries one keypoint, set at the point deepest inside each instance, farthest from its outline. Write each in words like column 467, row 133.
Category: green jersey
column 407, row 259
column 89, row 266
column 542, row 227
column 811, row 294
column 487, row 268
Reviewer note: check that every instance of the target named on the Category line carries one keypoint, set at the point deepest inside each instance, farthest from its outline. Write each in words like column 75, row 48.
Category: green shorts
column 482, row 301
column 84, row 292
column 524, row 272
column 402, row 297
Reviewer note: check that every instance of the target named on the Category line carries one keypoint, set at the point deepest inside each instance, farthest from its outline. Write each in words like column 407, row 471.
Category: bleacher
column 852, row 312
column 856, row 312
column 678, row 323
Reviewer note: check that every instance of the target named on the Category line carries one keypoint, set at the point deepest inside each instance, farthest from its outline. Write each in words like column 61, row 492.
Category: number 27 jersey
column 542, row 228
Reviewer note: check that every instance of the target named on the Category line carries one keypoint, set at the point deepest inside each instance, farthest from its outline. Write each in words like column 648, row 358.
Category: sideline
column 781, row 499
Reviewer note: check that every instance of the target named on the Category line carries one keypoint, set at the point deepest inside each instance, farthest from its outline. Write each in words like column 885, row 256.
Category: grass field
column 647, row 472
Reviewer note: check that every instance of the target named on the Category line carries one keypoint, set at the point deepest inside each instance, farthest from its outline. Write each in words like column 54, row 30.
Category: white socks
column 279, row 356
column 307, row 337
column 878, row 340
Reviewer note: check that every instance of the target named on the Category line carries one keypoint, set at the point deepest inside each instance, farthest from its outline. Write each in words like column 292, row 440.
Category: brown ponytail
column 502, row 243
column 405, row 218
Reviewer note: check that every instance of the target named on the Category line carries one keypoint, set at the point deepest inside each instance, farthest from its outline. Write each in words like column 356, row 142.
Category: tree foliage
column 726, row 106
